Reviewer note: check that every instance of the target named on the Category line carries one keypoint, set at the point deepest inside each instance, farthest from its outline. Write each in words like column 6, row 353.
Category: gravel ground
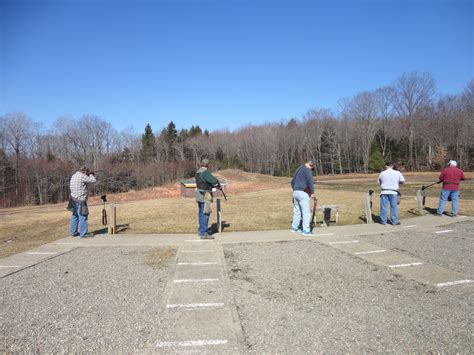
column 452, row 250
column 88, row 300
column 299, row 296
column 303, row 296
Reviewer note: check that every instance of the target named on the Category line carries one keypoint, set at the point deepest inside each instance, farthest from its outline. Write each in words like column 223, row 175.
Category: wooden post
column 219, row 215
column 112, row 227
column 367, row 209
column 419, row 203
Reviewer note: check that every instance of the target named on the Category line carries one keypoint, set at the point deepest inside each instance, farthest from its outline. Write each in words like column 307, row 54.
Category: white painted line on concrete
column 410, row 226
column 405, row 265
column 370, row 252
column 462, row 217
column 459, row 282
column 195, row 305
column 11, row 266
column 445, row 231
column 197, row 264
column 197, row 251
column 195, row 280
column 199, row 240
column 323, row 234
column 167, row 344
column 41, row 253
column 345, row 242
column 72, row 243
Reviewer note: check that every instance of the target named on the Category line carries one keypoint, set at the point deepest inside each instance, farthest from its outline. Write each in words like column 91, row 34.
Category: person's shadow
column 375, row 218
column 102, row 231
column 431, row 210
column 214, row 228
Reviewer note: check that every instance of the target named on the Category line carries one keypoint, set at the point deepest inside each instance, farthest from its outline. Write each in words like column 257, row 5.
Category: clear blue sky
column 220, row 64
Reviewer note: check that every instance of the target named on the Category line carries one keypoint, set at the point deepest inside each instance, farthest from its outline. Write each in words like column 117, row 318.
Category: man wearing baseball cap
column 451, row 177
column 205, row 182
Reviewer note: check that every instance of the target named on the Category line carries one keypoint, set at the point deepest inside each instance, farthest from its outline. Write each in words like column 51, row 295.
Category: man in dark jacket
column 205, row 182
column 451, row 178
column 303, row 188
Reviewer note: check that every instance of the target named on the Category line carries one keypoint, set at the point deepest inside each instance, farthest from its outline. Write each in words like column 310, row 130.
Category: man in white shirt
column 389, row 181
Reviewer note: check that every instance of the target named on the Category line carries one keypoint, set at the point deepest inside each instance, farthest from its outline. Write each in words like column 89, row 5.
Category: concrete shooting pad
column 359, row 288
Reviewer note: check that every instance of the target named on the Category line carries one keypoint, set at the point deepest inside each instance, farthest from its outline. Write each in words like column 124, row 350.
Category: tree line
column 406, row 122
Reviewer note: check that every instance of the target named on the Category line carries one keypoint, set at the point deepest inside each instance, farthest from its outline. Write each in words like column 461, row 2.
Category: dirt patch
column 157, row 257
column 238, row 182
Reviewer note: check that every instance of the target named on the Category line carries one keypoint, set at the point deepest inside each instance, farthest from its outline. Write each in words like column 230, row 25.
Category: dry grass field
column 255, row 202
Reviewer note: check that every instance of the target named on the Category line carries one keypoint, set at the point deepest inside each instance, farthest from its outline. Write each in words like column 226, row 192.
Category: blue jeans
column 301, row 207
column 202, row 218
column 443, row 197
column 385, row 200
column 78, row 220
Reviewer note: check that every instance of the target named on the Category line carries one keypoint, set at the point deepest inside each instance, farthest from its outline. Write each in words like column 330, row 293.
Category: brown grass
column 255, row 202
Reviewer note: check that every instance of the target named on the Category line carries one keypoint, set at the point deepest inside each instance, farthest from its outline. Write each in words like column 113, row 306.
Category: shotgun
column 423, row 188
column 313, row 214
column 219, row 186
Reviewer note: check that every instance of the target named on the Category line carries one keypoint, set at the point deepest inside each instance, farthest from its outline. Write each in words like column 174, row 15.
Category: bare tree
column 364, row 110
column 410, row 93
column 384, row 107
column 16, row 128
column 288, row 139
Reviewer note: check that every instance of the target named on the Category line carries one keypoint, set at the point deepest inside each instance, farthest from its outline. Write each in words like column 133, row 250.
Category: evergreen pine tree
column 148, row 151
column 376, row 160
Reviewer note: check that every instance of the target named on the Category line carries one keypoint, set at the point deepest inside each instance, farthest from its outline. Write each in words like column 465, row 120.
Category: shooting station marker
column 370, row 252
column 405, row 265
column 445, row 231
column 452, row 283
column 198, row 264
column 195, row 280
column 195, row 305
column 188, row 343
